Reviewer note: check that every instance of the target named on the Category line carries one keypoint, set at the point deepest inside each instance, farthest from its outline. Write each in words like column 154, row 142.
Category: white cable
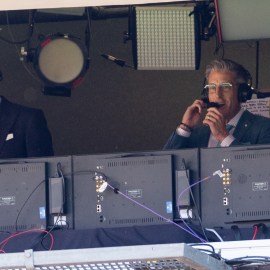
column 214, row 232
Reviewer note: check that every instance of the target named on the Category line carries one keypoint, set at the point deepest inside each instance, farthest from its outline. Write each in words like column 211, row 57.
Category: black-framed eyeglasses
column 212, row 87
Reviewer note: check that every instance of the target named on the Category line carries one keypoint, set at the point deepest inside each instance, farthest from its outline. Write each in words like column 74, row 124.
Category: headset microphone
column 210, row 104
column 213, row 105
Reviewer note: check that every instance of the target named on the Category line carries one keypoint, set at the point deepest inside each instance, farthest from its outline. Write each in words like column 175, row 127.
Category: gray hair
column 242, row 75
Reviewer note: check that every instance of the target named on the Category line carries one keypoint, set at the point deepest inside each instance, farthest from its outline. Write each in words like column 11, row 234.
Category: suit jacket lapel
column 243, row 125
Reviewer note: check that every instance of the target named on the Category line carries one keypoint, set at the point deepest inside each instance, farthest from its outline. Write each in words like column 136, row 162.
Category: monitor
column 235, row 187
column 128, row 189
column 22, row 196
column 37, row 193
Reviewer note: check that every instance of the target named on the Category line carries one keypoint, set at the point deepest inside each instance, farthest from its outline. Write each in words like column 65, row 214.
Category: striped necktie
column 229, row 127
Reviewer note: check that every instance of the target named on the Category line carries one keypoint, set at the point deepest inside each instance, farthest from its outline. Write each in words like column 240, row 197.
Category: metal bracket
column 29, row 259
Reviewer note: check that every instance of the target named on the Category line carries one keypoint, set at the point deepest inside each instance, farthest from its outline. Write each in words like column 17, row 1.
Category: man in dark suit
column 23, row 132
column 224, row 123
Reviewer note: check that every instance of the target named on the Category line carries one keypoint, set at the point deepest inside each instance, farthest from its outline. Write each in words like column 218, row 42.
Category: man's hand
column 215, row 120
column 193, row 113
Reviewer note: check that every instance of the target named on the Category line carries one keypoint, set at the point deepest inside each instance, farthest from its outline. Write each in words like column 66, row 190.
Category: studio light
column 61, row 62
column 165, row 38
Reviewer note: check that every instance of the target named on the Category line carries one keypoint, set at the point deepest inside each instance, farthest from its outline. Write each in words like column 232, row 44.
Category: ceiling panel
column 39, row 4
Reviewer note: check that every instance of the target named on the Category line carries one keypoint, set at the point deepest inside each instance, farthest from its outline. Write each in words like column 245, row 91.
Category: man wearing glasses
column 224, row 123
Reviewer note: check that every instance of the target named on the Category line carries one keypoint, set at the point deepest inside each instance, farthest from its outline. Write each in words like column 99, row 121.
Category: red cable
column 255, row 232
column 5, row 241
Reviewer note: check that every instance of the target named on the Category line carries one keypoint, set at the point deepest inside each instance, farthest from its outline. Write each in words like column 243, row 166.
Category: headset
column 245, row 90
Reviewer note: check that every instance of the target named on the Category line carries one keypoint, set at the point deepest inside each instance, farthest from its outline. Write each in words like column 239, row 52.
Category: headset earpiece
column 244, row 92
column 245, row 89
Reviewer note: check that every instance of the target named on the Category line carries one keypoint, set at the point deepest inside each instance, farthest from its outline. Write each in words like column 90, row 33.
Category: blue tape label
column 42, row 212
column 169, row 207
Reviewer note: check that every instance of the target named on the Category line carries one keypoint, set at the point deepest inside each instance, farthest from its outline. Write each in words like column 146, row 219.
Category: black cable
column 16, row 222
column 218, row 47
column 41, row 237
column 203, row 244
column 241, row 261
column 194, row 202
column 88, row 31
column 257, row 64
column 31, row 31
column 16, row 42
column 210, row 253
column 60, row 174
column 55, row 226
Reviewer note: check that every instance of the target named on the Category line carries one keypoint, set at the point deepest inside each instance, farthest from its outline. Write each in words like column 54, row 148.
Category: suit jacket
column 251, row 129
column 23, row 132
